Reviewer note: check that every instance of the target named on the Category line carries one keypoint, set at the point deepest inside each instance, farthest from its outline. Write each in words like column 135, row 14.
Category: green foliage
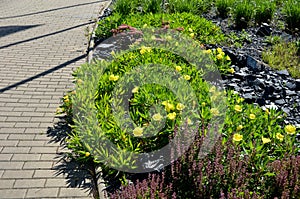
column 243, row 13
column 191, row 6
column 291, row 10
column 284, row 56
column 264, row 11
column 273, row 39
column 224, row 7
column 195, row 26
column 238, row 39
column 152, row 6
column 125, row 7
column 263, row 137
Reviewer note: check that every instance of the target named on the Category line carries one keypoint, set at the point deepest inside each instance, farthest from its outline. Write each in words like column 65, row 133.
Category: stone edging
column 91, row 45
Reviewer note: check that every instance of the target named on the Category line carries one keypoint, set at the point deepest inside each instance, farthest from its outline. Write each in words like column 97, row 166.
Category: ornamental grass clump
column 189, row 6
column 264, row 11
column 291, row 11
column 243, row 13
column 224, row 7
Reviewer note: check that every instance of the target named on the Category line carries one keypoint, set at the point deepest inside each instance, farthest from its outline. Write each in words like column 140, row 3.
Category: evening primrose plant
column 260, row 133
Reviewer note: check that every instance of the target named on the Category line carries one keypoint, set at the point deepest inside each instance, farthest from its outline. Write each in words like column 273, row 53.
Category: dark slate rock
column 297, row 81
column 290, row 85
column 249, row 96
column 264, row 30
column 254, row 64
column 280, row 102
column 283, row 73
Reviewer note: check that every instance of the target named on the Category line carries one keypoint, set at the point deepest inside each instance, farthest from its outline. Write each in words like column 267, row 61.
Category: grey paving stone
column 42, row 192
column 29, row 183
column 14, row 174
column 71, row 192
column 26, row 157
column 4, row 184
column 12, row 193
column 34, row 88
column 11, row 165
column 38, row 165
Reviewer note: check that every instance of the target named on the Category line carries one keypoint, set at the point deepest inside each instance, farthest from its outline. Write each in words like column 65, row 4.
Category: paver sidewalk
column 41, row 43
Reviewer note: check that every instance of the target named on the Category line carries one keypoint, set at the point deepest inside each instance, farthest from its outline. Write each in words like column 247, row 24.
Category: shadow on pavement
column 77, row 174
column 46, row 35
column 51, row 10
column 42, row 74
column 7, row 30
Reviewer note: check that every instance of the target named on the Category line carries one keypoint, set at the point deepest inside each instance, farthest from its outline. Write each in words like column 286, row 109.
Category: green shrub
column 191, row 6
column 264, row 11
column 284, row 56
column 243, row 13
column 125, row 7
column 224, row 7
column 291, row 10
column 198, row 27
column 152, row 6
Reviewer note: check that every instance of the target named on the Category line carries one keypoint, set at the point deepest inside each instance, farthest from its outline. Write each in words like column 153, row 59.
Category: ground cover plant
column 284, row 56
column 256, row 155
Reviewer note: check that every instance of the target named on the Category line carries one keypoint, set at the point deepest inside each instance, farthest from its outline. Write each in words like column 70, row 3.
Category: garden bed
column 256, row 152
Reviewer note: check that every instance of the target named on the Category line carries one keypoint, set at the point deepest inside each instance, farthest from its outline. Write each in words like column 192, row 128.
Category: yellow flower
column 207, row 51
column 178, row 68
column 171, row 116
column 168, row 37
column 189, row 121
column 214, row 111
column 237, row 137
column 187, row 77
column 240, row 99
column 145, row 49
column 113, row 77
column 168, row 106
column 279, row 136
column 59, row 111
column 138, row 131
column 252, row 116
column 192, row 34
column 219, row 50
column 265, row 140
column 228, row 58
column 190, row 29
column 157, row 117
column 135, row 90
column 219, row 56
column 87, row 154
column 203, row 104
column 180, row 106
column 238, row 108
column 290, row 129
column 239, row 127
column 212, row 89
column 79, row 81
column 231, row 70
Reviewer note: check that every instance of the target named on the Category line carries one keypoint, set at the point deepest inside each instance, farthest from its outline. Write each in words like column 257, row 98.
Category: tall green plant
column 291, row 10
column 243, row 13
column 264, row 11
column 224, row 7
